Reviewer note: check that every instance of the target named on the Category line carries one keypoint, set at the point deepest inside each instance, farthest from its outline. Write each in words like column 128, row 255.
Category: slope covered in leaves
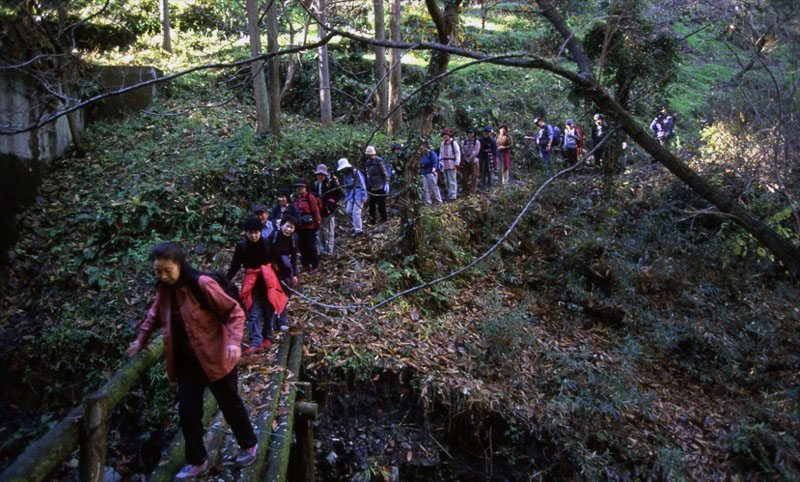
column 609, row 330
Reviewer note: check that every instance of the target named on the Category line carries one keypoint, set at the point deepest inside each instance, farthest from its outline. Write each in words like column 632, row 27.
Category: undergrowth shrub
column 506, row 335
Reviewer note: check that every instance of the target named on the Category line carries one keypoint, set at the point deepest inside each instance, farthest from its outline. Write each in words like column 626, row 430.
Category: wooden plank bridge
column 283, row 412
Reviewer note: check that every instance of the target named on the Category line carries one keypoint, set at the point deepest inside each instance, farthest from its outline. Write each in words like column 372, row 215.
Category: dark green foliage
column 637, row 60
column 506, row 338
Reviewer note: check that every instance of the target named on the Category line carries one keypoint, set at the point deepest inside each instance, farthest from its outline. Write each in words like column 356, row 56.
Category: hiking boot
column 246, row 457
column 189, row 472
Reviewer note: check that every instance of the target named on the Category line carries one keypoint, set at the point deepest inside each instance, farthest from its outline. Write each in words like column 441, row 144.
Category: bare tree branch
column 45, row 119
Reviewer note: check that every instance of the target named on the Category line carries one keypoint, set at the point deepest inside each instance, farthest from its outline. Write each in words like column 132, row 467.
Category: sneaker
column 284, row 327
column 254, row 349
column 265, row 344
column 357, row 233
column 246, row 457
column 189, row 472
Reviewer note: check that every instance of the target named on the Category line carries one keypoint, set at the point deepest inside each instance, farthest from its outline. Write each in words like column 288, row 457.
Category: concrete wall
column 20, row 98
column 24, row 157
column 113, row 77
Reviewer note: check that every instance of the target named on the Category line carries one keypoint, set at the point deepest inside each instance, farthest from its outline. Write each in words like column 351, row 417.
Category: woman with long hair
column 202, row 327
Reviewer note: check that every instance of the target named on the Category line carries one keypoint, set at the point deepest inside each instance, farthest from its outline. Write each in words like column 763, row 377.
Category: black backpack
column 222, row 280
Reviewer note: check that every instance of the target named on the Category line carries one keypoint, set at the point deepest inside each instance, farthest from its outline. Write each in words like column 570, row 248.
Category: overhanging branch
column 10, row 130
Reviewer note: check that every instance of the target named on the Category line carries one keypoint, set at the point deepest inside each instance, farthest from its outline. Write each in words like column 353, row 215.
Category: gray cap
column 257, row 208
column 569, row 121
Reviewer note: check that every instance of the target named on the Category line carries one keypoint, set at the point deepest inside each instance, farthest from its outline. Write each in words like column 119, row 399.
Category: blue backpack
column 556, row 136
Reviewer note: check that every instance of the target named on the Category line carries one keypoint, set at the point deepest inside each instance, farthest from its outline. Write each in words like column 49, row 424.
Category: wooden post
column 43, row 455
column 306, row 413
column 94, row 425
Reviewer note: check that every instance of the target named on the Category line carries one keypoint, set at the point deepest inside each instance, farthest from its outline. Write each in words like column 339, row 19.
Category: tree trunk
column 412, row 238
column 396, row 74
column 445, row 26
column 274, row 71
column 166, row 33
column 65, row 74
column 287, row 82
column 325, row 110
column 782, row 248
column 381, row 93
column 257, row 68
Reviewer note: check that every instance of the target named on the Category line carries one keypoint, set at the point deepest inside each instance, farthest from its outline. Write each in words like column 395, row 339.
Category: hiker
column 428, row 170
column 572, row 141
column 662, row 126
column 450, row 157
column 399, row 160
column 310, row 219
column 555, row 150
column 470, row 148
column 599, row 132
column 282, row 207
column 377, row 184
column 327, row 188
column 282, row 246
column 260, row 286
column 544, row 141
column 355, row 194
column 262, row 212
column 202, row 329
column 504, row 144
column 487, row 157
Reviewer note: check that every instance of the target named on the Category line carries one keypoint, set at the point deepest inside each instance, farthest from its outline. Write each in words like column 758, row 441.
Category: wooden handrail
column 43, row 455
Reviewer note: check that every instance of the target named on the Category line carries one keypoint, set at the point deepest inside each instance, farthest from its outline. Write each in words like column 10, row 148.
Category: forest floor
column 648, row 414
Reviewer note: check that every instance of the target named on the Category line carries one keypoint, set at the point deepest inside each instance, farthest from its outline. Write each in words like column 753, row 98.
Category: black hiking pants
column 192, row 381
column 377, row 199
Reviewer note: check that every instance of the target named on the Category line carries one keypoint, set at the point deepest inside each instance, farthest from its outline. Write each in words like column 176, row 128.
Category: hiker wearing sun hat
column 355, row 192
column 327, row 188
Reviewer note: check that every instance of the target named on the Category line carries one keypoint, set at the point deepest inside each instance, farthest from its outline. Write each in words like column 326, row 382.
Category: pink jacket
column 209, row 336
column 275, row 295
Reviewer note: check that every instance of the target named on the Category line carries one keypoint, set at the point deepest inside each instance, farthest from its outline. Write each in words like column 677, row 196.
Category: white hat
column 370, row 150
column 343, row 164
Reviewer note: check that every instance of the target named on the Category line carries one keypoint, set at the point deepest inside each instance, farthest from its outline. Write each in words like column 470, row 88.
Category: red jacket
column 277, row 298
column 209, row 336
column 308, row 204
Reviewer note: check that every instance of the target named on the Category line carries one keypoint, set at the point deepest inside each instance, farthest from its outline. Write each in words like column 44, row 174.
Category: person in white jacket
column 450, row 156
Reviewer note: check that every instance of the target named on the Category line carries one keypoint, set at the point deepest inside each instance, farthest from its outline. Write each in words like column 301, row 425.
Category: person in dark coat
column 310, row 221
column 487, row 157
column 599, row 132
column 377, row 184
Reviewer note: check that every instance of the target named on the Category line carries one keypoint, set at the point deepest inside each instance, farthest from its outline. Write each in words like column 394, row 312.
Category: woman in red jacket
column 202, row 329
column 310, row 219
